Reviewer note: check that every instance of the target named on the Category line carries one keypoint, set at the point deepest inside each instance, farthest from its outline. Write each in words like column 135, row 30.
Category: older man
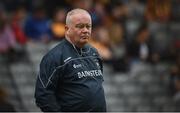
column 70, row 77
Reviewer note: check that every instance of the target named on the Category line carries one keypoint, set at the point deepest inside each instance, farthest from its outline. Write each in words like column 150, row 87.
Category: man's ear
column 66, row 29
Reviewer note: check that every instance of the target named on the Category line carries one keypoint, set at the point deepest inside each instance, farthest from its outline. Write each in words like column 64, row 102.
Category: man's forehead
column 81, row 18
column 81, row 15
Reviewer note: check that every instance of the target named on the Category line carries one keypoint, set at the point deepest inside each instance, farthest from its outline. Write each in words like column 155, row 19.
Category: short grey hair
column 75, row 11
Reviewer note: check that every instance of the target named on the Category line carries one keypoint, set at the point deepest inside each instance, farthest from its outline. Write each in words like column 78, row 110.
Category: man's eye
column 88, row 26
column 83, row 25
column 80, row 26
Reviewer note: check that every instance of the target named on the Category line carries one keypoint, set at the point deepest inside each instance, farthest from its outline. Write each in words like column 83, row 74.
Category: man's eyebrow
column 83, row 24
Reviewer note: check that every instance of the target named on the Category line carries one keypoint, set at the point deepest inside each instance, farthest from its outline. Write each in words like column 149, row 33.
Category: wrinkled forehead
column 81, row 18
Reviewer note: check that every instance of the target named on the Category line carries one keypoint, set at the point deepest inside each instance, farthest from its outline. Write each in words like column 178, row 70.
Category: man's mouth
column 84, row 37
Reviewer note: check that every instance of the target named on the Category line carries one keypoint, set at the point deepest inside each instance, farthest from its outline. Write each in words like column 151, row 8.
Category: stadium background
column 139, row 41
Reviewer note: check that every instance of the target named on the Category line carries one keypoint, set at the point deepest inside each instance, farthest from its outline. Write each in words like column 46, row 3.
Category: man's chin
column 83, row 42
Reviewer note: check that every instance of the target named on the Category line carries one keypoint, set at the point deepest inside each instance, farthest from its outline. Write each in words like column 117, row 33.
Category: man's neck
column 73, row 43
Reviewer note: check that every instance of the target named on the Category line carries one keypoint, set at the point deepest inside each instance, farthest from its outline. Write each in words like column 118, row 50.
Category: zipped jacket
column 70, row 79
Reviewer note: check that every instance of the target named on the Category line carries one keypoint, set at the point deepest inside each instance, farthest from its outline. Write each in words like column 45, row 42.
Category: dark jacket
column 70, row 79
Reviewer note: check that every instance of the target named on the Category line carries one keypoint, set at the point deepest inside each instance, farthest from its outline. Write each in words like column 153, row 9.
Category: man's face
column 79, row 30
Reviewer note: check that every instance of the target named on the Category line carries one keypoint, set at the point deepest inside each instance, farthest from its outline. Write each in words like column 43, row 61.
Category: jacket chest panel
column 83, row 68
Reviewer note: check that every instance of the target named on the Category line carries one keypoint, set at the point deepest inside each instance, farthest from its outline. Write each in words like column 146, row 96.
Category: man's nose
column 85, row 29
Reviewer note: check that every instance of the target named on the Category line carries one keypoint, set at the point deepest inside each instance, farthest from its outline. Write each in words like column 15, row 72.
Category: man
column 70, row 77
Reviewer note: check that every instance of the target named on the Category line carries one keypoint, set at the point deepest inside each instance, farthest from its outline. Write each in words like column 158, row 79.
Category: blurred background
column 139, row 41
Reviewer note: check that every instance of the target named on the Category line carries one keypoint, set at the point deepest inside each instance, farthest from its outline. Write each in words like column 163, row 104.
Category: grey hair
column 74, row 11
